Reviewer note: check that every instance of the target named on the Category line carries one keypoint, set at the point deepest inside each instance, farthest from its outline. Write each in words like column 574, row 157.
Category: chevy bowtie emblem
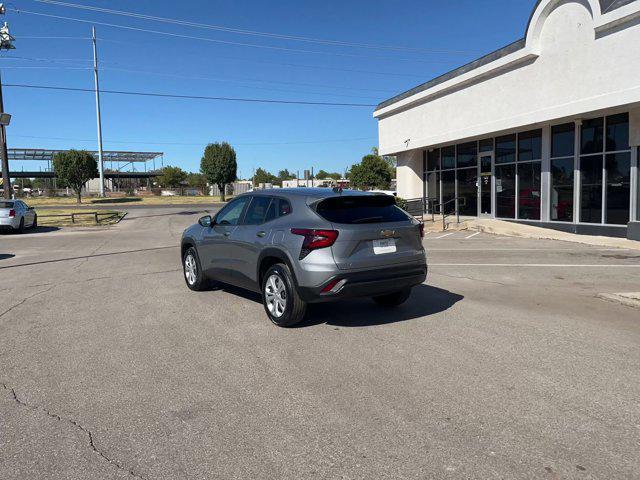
column 387, row 233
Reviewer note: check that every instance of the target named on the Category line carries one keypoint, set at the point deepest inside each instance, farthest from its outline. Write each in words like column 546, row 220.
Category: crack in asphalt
column 79, row 426
column 26, row 299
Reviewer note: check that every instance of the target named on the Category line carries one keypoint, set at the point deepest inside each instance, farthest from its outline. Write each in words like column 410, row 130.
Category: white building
column 544, row 130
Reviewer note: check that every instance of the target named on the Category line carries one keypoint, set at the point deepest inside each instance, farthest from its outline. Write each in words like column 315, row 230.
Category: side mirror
column 206, row 221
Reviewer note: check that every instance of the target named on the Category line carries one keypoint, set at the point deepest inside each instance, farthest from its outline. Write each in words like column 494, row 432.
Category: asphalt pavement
column 504, row 364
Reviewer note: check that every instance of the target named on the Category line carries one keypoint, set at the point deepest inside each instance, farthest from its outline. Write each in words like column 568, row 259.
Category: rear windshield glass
column 365, row 209
column 6, row 204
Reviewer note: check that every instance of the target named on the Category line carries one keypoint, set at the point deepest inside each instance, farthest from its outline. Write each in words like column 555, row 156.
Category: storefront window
column 562, row 178
column 529, row 177
column 467, row 155
column 592, row 138
column 506, row 190
column 591, row 187
column 448, row 157
column 611, row 135
column 618, row 167
column 468, row 190
column 530, row 146
column 449, row 190
column 506, row 149
column 563, row 140
column 433, row 160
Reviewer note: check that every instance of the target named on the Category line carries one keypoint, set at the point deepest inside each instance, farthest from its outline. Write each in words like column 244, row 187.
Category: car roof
column 309, row 192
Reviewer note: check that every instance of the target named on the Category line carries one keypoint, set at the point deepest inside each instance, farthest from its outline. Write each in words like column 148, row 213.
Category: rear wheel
column 20, row 228
column 193, row 274
column 393, row 299
column 280, row 298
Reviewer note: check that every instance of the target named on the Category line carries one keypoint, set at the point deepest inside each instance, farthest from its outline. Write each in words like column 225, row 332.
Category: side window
column 257, row 210
column 278, row 208
column 230, row 215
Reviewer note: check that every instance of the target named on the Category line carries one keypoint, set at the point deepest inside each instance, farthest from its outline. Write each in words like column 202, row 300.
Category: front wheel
column 280, row 298
column 34, row 225
column 193, row 274
column 393, row 299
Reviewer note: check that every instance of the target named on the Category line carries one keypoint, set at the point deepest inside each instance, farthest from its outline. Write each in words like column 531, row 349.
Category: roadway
column 504, row 364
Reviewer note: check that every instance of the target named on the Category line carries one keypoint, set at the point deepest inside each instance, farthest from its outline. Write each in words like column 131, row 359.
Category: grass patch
column 81, row 218
column 151, row 200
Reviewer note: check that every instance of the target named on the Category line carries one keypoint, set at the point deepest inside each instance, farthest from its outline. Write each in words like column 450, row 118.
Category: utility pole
column 6, row 43
column 98, row 116
column 6, row 182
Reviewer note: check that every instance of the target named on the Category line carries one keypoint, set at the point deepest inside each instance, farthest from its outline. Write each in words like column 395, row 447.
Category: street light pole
column 6, row 182
column 98, row 116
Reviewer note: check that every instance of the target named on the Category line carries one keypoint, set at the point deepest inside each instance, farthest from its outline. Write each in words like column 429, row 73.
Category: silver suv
column 305, row 245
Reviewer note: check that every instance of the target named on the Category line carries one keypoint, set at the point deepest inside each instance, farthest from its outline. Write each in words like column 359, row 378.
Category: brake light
column 421, row 230
column 12, row 213
column 315, row 239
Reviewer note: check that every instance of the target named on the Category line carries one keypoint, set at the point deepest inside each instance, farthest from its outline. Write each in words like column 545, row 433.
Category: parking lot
column 505, row 364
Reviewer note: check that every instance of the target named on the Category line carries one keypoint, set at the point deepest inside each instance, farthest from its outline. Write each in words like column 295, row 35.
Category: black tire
column 294, row 308
column 20, row 228
column 35, row 222
column 393, row 299
column 198, row 282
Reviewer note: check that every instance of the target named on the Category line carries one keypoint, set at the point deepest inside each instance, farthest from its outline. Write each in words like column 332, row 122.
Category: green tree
column 390, row 159
column 372, row 172
column 197, row 180
column 219, row 165
column 74, row 168
column 171, row 177
column 285, row 175
column 263, row 176
column 333, row 175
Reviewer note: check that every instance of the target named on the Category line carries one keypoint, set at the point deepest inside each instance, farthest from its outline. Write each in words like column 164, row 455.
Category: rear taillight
column 12, row 213
column 421, row 230
column 315, row 239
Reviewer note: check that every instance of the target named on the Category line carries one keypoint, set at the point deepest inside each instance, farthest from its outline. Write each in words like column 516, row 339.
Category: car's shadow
column 38, row 229
column 425, row 300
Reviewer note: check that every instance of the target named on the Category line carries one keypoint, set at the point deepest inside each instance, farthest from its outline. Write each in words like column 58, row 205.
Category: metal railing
column 98, row 217
column 420, row 206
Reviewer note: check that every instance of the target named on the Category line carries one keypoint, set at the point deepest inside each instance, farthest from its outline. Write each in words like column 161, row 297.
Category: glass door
column 485, row 184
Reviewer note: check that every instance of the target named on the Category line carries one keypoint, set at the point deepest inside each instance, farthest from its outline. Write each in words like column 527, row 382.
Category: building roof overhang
column 607, row 14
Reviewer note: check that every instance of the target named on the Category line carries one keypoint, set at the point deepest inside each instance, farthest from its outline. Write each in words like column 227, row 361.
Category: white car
column 16, row 215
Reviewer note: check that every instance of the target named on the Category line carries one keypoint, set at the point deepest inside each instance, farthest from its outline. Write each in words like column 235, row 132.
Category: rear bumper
column 367, row 284
column 9, row 222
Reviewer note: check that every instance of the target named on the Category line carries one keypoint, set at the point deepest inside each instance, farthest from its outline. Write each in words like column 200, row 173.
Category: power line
column 192, row 97
column 224, row 42
column 301, row 142
column 251, row 32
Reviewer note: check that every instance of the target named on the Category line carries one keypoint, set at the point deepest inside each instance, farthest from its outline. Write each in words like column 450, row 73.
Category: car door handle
column 261, row 234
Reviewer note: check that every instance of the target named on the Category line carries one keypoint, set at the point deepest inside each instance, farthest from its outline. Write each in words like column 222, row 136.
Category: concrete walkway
column 499, row 227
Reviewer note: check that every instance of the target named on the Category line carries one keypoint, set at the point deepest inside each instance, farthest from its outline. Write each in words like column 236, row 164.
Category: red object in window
column 12, row 213
column 314, row 239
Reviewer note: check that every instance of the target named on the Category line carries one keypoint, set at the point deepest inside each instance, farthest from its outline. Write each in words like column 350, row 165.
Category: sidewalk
column 499, row 227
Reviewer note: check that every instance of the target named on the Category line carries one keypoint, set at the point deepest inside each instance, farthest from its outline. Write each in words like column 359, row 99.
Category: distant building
column 545, row 130
column 318, row 182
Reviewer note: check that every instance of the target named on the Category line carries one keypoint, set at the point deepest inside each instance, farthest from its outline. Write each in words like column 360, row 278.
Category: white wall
column 563, row 72
column 409, row 174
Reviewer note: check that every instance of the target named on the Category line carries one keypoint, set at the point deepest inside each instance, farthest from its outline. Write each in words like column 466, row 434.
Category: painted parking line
column 443, row 236
column 472, row 235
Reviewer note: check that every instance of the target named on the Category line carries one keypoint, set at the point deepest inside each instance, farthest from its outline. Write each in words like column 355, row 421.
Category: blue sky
column 448, row 34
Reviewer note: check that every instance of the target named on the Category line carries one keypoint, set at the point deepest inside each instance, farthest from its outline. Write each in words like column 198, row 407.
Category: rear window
column 365, row 209
column 6, row 204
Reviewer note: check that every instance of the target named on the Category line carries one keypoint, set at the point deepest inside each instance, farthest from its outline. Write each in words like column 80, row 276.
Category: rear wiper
column 368, row 220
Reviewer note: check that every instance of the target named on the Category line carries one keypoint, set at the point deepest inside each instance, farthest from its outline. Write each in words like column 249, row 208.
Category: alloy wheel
column 190, row 269
column 275, row 292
